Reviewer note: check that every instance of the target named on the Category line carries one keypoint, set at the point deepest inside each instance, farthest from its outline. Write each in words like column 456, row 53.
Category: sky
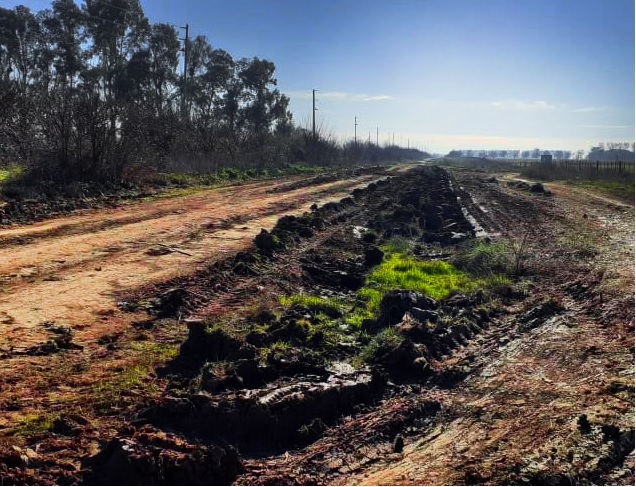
column 435, row 74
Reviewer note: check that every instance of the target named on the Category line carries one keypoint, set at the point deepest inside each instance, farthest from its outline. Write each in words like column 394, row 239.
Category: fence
column 580, row 165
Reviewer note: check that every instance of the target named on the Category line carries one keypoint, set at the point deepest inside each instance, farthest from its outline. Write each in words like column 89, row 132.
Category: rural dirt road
column 69, row 270
column 540, row 393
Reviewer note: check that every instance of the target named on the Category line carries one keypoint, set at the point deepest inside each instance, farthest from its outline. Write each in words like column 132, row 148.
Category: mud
column 262, row 394
column 264, row 402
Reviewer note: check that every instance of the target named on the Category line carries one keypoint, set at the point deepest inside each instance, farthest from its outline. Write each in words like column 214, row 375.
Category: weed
column 275, row 351
column 397, row 245
column 434, row 278
column 110, row 393
column 35, row 423
column 10, row 173
column 482, row 258
column 315, row 304
column 578, row 244
column 384, row 341
column 518, row 245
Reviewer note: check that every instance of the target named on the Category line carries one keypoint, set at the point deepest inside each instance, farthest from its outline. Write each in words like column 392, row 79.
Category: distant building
column 546, row 158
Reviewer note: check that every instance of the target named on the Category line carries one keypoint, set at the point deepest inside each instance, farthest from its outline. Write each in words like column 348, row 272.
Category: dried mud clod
column 150, row 456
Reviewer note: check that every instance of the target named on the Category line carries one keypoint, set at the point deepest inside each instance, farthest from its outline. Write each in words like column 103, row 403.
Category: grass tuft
column 316, row 304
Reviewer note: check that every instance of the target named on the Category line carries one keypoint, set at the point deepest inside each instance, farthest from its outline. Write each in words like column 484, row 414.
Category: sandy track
column 68, row 270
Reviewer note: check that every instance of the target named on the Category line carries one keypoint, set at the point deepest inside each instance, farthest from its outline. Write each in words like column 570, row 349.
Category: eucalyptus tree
column 22, row 50
column 146, row 88
column 116, row 30
column 62, row 34
column 266, row 108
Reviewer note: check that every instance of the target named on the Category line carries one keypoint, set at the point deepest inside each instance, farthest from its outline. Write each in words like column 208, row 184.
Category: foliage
column 436, row 279
column 484, row 258
column 386, row 340
column 315, row 304
column 94, row 92
column 10, row 173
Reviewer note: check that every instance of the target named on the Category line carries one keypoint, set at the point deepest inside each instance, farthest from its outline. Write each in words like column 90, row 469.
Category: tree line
column 536, row 153
column 93, row 91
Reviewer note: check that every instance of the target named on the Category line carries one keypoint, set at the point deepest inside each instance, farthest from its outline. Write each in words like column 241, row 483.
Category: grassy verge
column 232, row 175
column 620, row 189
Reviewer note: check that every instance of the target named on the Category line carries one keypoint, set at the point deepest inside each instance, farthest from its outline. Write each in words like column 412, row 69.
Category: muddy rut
column 528, row 382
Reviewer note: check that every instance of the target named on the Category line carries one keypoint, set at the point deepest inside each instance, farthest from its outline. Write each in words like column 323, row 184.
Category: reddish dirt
column 69, row 270
column 72, row 271
column 548, row 393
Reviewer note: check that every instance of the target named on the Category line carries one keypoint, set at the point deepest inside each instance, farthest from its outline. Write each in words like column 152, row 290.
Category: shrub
column 384, row 341
column 484, row 259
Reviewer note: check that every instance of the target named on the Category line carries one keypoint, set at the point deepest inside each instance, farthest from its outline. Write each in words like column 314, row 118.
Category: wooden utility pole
column 377, row 136
column 313, row 113
column 184, row 91
column 355, row 130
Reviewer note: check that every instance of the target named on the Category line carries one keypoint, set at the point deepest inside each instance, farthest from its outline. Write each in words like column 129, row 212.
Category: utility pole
column 355, row 130
column 393, row 143
column 377, row 136
column 184, row 91
column 313, row 113
column 408, row 144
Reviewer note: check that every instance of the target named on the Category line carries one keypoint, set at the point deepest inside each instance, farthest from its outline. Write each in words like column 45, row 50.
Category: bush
column 381, row 343
column 483, row 258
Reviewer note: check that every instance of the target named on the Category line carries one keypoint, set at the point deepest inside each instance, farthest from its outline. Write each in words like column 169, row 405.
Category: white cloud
column 374, row 97
column 340, row 95
column 523, row 106
column 600, row 126
column 587, row 109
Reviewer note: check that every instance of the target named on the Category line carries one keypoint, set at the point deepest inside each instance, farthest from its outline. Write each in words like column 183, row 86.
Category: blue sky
column 440, row 74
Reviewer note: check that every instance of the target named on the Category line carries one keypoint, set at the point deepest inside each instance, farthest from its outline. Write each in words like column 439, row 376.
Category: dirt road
column 536, row 386
column 515, row 419
column 68, row 270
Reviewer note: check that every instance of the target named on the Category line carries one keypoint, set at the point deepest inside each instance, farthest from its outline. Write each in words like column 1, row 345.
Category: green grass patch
column 35, row 424
column 433, row 278
column 275, row 351
column 621, row 189
column 316, row 304
column 384, row 341
column 481, row 258
column 147, row 357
